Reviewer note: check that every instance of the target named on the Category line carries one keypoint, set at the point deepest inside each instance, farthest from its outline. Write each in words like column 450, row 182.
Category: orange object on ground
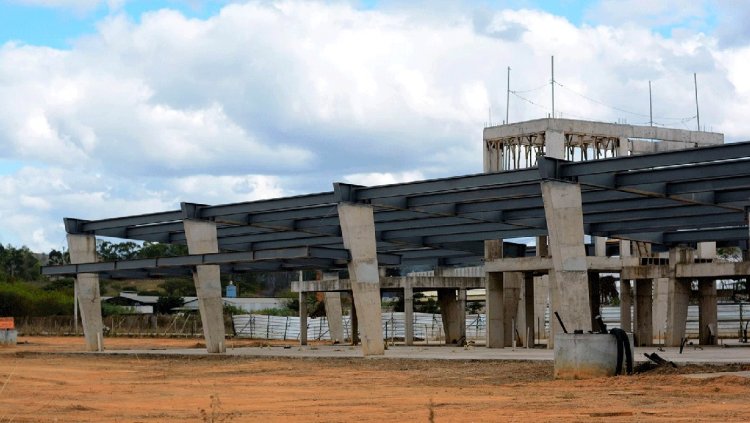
column 7, row 323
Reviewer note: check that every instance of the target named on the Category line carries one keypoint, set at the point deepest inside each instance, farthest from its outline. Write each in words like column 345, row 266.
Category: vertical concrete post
column 408, row 313
column 333, row 315
column 527, row 326
column 355, row 321
column 303, row 318
column 708, row 322
column 623, row 148
column 569, row 278
column 626, row 302
column 461, row 312
column 358, row 231
column 82, row 249
column 594, row 298
column 541, row 302
column 202, row 239
column 512, row 285
column 600, row 246
column 678, row 295
column 659, row 304
column 494, row 297
column 644, row 329
column 448, row 312
column 554, row 144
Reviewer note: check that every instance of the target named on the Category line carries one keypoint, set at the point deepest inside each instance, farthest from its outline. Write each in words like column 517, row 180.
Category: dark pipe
column 559, row 319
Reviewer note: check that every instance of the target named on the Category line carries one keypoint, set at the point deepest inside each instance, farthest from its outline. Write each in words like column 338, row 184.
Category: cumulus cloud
column 266, row 99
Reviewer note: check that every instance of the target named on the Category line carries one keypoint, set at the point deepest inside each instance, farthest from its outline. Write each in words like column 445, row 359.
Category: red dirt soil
column 36, row 386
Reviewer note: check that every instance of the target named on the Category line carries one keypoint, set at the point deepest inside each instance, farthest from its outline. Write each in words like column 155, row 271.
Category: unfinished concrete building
column 664, row 207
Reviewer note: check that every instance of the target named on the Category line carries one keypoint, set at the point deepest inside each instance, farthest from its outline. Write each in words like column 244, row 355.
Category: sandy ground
column 40, row 383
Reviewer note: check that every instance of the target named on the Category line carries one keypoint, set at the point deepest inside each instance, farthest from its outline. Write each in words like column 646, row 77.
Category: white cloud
column 272, row 98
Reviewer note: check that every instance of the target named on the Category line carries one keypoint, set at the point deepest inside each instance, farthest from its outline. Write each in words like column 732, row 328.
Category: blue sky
column 122, row 107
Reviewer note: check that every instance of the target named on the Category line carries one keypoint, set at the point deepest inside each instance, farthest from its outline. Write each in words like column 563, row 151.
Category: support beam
column 569, row 278
column 595, row 298
column 408, row 314
column 82, row 249
column 659, row 314
column 494, row 307
column 526, row 316
column 448, row 302
column 541, row 303
column 202, row 239
column 644, row 328
column 358, row 232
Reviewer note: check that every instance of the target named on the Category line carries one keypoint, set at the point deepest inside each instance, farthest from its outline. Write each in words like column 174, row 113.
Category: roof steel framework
column 678, row 197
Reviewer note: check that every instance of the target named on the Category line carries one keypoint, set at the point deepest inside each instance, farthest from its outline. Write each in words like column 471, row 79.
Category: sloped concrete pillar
column 644, row 329
column 202, row 239
column 358, row 231
column 569, row 278
column 408, row 313
column 494, row 307
column 512, row 286
column 82, row 249
column 626, row 303
column 678, row 297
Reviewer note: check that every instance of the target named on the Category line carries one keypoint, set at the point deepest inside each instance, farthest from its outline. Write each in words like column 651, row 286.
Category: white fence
column 429, row 327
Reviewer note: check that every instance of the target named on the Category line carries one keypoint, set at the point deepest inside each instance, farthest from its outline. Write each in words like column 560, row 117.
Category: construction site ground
column 47, row 379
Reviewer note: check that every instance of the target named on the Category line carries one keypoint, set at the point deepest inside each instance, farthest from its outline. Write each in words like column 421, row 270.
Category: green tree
column 164, row 305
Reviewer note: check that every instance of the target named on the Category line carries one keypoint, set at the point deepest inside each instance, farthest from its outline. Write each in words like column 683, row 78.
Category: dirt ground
column 36, row 386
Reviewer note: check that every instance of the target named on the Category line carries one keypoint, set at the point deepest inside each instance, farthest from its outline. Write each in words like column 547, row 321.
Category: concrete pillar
column 706, row 250
column 659, row 314
column 303, row 318
column 569, row 278
column 82, row 249
column 494, row 297
column 626, row 303
column 526, row 316
column 461, row 312
column 358, row 231
column 449, row 311
column 678, row 297
column 708, row 322
column 600, row 246
column 201, row 239
column 354, row 321
column 623, row 149
column 408, row 314
column 541, row 301
column 625, row 249
column 512, row 285
column 644, row 329
column 554, row 144
column 542, row 246
column 594, row 298
column 333, row 315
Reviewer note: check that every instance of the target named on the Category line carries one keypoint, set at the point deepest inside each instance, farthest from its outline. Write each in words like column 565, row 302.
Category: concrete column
column 526, row 327
column 625, row 249
column 82, row 249
column 594, row 298
column 333, row 315
column 554, row 144
column 644, row 329
column 623, row 149
column 706, row 250
column 358, row 231
column 541, row 301
column 569, row 278
column 626, row 303
column 512, row 285
column 303, row 318
column 494, row 297
column 449, row 312
column 600, row 246
column 408, row 313
column 678, row 295
column 461, row 312
column 708, row 322
column 201, row 239
column 542, row 247
column 355, row 322
column 659, row 314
